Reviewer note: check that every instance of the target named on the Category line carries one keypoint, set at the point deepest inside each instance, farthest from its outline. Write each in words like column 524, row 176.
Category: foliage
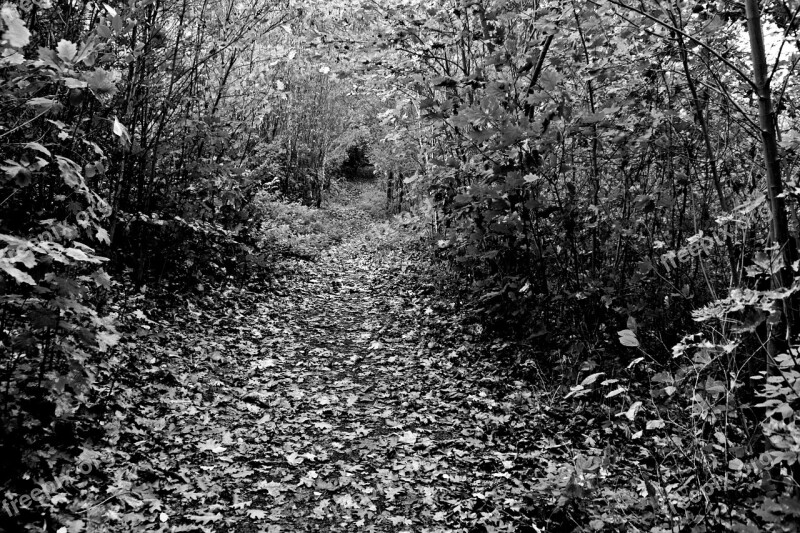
column 307, row 232
column 568, row 146
column 57, row 335
column 594, row 179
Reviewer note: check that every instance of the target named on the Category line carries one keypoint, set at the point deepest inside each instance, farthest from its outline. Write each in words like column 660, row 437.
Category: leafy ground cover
column 305, row 231
column 351, row 392
column 172, row 311
column 352, row 400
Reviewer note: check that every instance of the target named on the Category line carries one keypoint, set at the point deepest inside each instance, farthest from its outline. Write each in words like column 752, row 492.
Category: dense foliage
column 600, row 174
column 613, row 184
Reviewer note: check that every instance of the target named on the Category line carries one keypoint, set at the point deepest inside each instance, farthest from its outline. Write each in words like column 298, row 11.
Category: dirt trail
column 340, row 405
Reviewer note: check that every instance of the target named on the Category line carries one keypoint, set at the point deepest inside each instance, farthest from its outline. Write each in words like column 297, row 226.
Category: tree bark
column 783, row 330
column 389, row 190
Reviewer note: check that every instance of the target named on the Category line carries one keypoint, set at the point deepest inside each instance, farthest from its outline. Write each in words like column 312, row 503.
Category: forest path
column 343, row 404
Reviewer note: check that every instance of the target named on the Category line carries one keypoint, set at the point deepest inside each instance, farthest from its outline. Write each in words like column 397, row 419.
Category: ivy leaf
column 256, row 514
column 17, row 34
column 66, row 50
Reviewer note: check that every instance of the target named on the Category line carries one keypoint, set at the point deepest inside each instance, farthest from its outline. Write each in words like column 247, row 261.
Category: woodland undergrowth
column 350, row 389
column 581, row 314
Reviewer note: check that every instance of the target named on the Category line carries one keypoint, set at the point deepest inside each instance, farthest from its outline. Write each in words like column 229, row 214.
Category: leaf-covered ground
column 341, row 402
column 343, row 393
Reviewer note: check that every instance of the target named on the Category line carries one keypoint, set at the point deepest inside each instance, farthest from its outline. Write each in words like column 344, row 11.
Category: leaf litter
column 353, row 399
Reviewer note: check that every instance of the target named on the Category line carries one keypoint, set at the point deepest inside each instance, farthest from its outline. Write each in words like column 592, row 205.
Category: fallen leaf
column 409, row 437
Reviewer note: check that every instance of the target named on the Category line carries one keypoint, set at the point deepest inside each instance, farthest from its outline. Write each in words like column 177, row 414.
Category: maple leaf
column 66, row 50
column 294, row 459
column 274, row 488
column 10, row 59
column 256, row 514
column 102, row 236
column 392, row 492
column 205, row 518
column 14, row 272
column 17, row 34
column 107, row 339
column 409, row 437
column 101, row 83
column 211, row 446
column 72, row 83
column 346, row 501
column 132, row 501
column 75, row 526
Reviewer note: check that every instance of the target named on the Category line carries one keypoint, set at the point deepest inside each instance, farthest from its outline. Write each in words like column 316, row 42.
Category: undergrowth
column 307, row 232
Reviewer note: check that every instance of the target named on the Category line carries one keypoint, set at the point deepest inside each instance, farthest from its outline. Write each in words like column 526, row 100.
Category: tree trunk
column 400, row 181
column 389, row 190
column 781, row 331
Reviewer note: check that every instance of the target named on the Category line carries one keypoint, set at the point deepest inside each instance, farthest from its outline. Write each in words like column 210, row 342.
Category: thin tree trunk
column 769, row 142
column 781, row 332
column 710, row 156
column 389, row 186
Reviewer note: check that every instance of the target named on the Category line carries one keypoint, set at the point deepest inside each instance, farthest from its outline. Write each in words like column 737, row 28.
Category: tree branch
column 668, row 26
